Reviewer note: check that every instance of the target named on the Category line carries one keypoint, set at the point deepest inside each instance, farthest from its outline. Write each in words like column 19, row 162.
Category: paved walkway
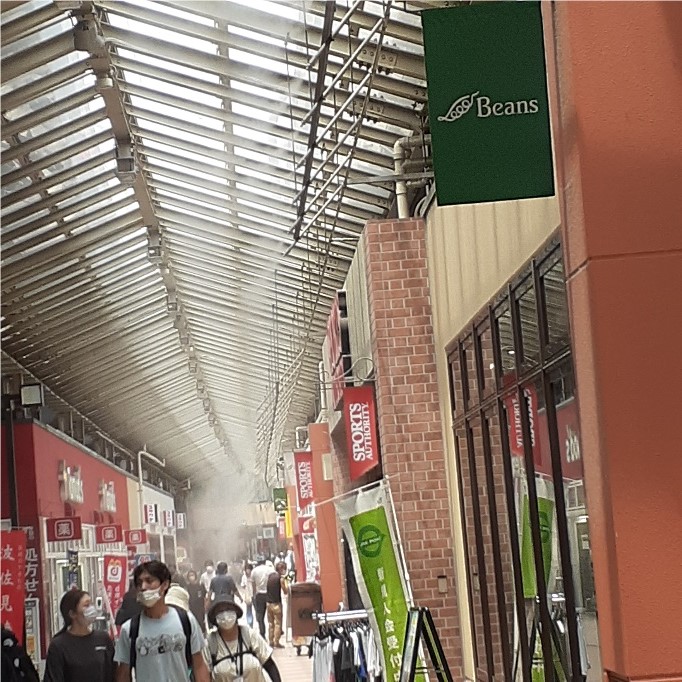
column 293, row 668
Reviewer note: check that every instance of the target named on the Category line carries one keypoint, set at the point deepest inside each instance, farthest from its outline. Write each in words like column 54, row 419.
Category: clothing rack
column 337, row 616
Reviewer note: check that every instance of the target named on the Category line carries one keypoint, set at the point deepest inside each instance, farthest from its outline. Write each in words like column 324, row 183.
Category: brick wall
column 413, row 452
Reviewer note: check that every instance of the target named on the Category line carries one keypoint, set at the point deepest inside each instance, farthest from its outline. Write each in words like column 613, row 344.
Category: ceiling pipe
column 400, row 148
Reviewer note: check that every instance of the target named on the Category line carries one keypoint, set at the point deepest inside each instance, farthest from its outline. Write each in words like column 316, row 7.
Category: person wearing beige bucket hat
column 178, row 596
column 234, row 652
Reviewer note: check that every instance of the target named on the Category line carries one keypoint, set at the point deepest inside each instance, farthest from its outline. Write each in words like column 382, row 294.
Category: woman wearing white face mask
column 235, row 653
column 78, row 653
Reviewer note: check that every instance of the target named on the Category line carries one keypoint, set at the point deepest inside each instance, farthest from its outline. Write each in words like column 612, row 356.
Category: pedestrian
column 17, row 665
column 164, row 642
column 197, row 599
column 277, row 585
column 259, row 580
column 207, row 575
column 176, row 576
column 129, row 606
column 77, row 653
column 223, row 585
column 247, row 592
column 235, row 652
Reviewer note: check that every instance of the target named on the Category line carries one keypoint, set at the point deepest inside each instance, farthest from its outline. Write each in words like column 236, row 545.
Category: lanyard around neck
column 238, row 655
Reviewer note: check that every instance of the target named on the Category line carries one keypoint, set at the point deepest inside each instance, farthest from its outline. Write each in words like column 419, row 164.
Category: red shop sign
column 360, row 415
column 135, row 537
column 303, row 462
column 67, row 528
column 112, row 532
column 132, row 551
column 13, row 554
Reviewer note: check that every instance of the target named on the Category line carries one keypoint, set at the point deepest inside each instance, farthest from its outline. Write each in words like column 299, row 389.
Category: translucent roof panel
column 183, row 186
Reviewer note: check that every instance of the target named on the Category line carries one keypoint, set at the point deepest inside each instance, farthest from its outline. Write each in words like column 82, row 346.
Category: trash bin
column 305, row 599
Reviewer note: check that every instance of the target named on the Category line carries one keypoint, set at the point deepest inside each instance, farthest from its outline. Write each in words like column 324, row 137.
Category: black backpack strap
column 187, row 629
column 134, row 632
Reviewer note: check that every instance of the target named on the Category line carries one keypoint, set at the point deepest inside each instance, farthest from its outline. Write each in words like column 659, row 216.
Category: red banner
column 137, row 536
column 108, row 534
column 360, row 414
column 115, row 579
column 13, row 557
column 64, row 529
column 132, row 551
column 303, row 462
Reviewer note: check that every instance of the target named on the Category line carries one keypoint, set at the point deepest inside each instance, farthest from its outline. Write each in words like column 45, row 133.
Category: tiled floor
column 293, row 668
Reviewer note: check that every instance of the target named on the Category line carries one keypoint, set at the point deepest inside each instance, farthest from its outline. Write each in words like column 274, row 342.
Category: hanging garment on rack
column 345, row 653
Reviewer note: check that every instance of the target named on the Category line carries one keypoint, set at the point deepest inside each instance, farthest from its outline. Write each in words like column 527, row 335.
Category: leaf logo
column 459, row 107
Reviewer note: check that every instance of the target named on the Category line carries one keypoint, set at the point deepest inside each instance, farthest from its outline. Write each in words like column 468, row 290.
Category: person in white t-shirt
column 259, row 580
column 207, row 576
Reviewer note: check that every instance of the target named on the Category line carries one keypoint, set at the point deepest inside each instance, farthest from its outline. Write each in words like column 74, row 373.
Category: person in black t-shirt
column 78, row 653
column 223, row 585
column 277, row 585
column 197, row 598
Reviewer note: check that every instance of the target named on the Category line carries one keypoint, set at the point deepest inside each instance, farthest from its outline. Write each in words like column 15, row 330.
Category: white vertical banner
column 367, row 519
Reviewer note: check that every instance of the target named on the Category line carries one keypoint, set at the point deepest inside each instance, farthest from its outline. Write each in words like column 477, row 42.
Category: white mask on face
column 149, row 597
column 90, row 614
column 226, row 620
column 209, row 569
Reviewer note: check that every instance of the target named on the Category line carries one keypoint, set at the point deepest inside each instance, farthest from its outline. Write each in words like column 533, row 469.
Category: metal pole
column 11, row 466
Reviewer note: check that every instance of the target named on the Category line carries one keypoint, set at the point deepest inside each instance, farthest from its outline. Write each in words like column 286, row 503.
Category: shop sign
column 108, row 534
column 488, row 104
column 115, row 580
column 338, row 343
column 64, row 529
column 281, row 528
column 144, row 558
column 73, row 578
column 303, row 461
column 135, row 537
column 181, row 520
column 281, row 502
column 169, row 518
column 13, row 570
column 372, row 544
column 32, row 627
column 546, row 519
column 71, row 483
column 107, row 497
column 131, row 550
column 515, row 427
column 151, row 513
column 359, row 409
column 308, row 538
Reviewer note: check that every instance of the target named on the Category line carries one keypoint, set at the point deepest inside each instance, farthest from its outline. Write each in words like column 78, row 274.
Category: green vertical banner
column 546, row 516
column 279, row 497
column 373, row 546
column 488, row 104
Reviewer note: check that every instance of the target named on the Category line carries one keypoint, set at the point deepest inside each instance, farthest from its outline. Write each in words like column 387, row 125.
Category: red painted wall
column 4, row 481
column 49, row 452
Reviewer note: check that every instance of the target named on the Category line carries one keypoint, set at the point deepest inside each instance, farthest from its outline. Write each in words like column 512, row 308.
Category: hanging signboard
column 303, row 461
column 63, row 529
column 32, row 625
column 13, row 544
column 73, row 578
column 308, row 539
column 115, row 579
column 279, row 496
column 137, row 536
column 169, row 518
column 359, row 410
column 488, row 104
column 372, row 543
column 151, row 513
column 112, row 532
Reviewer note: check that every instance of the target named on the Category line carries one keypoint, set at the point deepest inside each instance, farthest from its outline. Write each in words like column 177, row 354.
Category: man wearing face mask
column 207, row 576
column 234, row 652
column 164, row 642
column 77, row 653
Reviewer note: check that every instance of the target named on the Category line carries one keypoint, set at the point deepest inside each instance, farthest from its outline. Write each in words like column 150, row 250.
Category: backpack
column 186, row 628
column 243, row 647
column 16, row 664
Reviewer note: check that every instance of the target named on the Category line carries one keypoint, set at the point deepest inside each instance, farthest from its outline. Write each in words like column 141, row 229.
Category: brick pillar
column 412, row 447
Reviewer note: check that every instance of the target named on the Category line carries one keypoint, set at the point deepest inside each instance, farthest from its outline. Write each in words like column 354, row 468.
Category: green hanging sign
column 546, row 518
column 279, row 496
column 488, row 105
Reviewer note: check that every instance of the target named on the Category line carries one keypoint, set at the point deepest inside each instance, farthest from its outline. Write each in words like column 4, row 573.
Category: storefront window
column 531, row 589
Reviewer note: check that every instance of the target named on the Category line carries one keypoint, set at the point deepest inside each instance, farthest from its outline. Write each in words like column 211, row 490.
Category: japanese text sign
column 110, row 533
column 151, row 513
column 13, row 557
column 137, row 536
column 359, row 411
column 64, row 529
